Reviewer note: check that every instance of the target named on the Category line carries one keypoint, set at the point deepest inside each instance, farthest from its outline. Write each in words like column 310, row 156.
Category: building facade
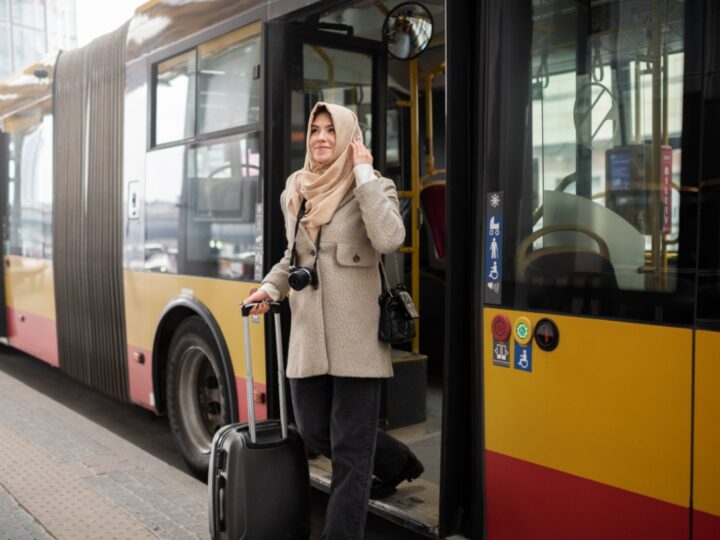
column 31, row 28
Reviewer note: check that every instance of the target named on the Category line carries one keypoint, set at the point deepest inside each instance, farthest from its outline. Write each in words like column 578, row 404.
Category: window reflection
column 175, row 99
column 229, row 92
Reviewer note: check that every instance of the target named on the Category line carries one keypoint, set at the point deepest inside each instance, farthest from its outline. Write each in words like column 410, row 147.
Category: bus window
column 590, row 157
column 200, row 209
column 163, row 203
column 224, row 185
column 175, row 99
column 228, row 87
column 29, row 230
column 229, row 84
column 201, row 194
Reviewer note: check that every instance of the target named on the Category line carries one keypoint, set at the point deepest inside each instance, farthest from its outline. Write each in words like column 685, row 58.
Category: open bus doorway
column 340, row 56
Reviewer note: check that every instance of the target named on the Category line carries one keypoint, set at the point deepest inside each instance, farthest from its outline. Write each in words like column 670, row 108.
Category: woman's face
column 322, row 138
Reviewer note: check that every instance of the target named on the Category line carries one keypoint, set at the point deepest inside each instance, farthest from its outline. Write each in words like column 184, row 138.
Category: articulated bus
column 558, row 169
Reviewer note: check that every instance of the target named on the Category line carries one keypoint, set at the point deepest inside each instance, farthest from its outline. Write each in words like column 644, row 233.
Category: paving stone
column 86, row 482
column 15, row 522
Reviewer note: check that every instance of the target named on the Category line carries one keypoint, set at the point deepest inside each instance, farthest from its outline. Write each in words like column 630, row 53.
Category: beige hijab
column 324, row 186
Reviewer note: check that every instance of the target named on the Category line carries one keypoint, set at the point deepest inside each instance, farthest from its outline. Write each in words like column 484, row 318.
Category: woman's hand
column 258, row 296
column 360, row 154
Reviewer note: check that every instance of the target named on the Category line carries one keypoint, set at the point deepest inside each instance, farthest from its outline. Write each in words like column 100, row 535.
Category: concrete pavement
column 119, row 458
column 64, row 476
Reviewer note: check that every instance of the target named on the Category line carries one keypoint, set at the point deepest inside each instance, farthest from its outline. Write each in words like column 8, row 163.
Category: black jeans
column 338, row 416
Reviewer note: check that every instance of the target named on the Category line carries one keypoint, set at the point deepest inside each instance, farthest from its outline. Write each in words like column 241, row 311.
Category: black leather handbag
column 397, row 313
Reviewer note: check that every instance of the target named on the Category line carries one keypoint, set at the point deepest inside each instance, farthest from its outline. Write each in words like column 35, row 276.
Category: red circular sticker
column 500, row 327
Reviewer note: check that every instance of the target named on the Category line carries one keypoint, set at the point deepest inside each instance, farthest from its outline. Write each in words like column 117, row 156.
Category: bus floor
column 415, row 504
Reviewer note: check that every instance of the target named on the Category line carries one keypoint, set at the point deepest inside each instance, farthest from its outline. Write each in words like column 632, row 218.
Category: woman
column 348, row 215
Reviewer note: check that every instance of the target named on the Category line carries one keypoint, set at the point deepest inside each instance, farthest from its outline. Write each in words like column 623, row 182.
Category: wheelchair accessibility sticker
column 493, row 247
column 523, row 357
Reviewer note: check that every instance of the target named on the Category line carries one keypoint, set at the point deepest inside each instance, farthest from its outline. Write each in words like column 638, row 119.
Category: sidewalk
column 63, row 476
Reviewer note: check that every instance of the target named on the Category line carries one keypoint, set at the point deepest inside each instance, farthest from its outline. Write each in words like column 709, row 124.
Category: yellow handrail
column 415, row 181
column 415, row 188
column 430, row 158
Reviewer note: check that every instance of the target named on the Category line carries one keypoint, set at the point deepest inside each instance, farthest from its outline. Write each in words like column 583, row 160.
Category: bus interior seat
column 230, row 195
column 567, row 265
column 432, row 202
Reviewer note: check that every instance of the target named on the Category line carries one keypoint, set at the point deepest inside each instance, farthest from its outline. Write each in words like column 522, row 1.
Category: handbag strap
column 293, row 251
column 384, row 279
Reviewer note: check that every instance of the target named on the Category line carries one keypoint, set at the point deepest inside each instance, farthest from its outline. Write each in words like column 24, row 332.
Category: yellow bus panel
column 611, row 404
column 706, row 482
column 147, row 294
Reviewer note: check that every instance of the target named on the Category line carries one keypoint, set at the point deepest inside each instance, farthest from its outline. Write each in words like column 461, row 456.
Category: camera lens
column 299, row 278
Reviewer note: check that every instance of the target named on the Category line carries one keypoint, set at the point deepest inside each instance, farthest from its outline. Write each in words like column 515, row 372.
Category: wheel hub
column 200, row 398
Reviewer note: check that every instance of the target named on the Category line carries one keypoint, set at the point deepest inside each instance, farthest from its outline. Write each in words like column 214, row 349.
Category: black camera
column 300, row 277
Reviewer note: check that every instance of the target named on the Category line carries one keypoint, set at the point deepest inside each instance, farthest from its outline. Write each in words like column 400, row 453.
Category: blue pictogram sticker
column 523, row 357
column 493, row 247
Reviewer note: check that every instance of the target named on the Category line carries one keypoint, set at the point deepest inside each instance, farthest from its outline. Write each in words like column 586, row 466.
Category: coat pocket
column 356, row 255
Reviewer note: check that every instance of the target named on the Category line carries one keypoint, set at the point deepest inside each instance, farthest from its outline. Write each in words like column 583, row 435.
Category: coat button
column 356, row 258
column 312, row 252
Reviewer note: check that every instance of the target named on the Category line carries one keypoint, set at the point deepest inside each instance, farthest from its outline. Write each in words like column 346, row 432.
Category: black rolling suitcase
column 258, row 480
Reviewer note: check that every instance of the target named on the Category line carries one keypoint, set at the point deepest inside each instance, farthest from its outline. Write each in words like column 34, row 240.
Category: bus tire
column 198, row 400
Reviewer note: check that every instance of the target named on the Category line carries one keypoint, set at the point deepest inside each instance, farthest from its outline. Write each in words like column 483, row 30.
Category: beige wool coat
column 334, row 328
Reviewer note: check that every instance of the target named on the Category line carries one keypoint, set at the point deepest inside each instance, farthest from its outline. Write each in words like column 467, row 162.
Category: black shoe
column 384, row 488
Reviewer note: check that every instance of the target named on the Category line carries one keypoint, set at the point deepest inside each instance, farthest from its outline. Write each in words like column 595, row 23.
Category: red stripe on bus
column 33, row 334
column 705, row 526
column 140, row 377
column 525, row 500
column 260, row 408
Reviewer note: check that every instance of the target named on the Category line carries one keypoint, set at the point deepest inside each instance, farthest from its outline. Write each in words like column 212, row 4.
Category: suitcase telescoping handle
column 246, row 308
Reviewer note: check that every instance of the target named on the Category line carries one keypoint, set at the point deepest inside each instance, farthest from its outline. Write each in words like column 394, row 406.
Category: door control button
column 523, row 330
column 547, row 335
column 500, row 327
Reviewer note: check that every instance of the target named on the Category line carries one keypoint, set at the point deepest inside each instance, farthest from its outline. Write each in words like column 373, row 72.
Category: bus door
column 309, row 62
column 340, row 57
column 589, row 270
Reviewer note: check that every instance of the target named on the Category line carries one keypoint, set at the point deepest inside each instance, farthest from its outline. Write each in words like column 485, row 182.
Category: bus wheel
column 198, row 401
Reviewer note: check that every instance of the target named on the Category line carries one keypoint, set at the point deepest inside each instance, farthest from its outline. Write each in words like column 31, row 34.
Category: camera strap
column 293, row 251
